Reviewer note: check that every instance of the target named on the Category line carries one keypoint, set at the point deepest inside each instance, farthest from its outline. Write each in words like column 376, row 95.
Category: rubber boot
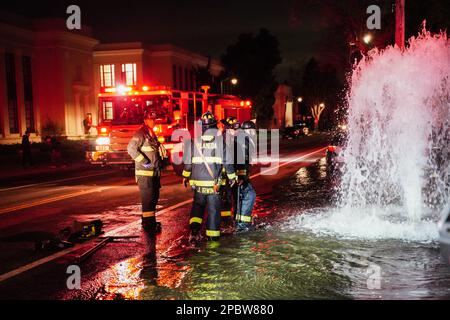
column 194, row 236
column 243, row 227
column 151, row 226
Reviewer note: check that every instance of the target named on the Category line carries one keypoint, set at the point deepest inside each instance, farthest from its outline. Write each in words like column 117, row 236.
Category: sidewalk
column 17, row 171
column 12, row 172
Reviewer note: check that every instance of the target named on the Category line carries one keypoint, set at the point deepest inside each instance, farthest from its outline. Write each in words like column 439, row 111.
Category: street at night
column 224, row 159
column 278, row 256
column 116, row 202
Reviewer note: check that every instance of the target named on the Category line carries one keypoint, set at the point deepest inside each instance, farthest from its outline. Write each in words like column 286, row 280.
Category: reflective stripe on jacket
column 195, row 168
column 144, row 149
column 246, row 147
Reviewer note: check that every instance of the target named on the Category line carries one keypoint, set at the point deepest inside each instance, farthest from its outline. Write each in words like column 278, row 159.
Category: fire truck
column 121, row 114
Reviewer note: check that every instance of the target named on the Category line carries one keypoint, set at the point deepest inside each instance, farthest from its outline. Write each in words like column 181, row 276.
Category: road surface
column 35, row 208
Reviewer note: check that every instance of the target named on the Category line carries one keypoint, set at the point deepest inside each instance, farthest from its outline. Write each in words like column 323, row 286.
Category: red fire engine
column 121, row 110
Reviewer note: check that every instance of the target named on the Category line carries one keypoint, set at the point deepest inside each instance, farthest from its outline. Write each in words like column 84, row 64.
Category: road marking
column 286, row 163
column 57, row 255
column 59, row 198
column 39, row 262
column 55, row 181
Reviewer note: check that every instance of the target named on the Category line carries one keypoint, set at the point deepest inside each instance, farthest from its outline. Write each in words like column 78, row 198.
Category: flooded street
column 283, row 259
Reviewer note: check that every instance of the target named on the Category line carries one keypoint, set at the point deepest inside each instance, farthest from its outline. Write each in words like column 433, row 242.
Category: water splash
column 397, row 154
column 368, row 224
column 398, row 121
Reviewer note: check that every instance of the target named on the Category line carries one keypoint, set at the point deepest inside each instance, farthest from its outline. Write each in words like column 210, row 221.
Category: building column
column 35, row 91
column 20, row 93
column 77, row 107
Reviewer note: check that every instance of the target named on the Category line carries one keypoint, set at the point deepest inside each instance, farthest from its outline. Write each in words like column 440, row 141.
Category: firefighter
column 246, row 193
column 231, row 125
column 203, row 161
column 144, row 148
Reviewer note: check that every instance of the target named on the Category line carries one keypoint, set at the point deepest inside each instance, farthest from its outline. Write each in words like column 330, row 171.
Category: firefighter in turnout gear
column 144, row 148
column 204, row 160
column 231, row 125
column 246, row 194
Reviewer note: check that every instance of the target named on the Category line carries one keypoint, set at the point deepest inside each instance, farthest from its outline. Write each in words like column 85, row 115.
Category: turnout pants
column 211, row 202
column 226, row 200
column 149, row 190
column 248, row 197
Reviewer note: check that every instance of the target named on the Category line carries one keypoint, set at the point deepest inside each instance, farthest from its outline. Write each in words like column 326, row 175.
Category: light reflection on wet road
column 279, row 260
column 275, row 263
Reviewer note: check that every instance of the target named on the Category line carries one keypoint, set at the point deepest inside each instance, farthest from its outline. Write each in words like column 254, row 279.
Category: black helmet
column 248, row 125
column 208, row 119
column 149, row 114
column 231, row 123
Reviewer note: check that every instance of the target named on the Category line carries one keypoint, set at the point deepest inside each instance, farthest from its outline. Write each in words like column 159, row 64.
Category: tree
column 343, row 25
column 316, row 112
column 263, row 106
column 252, row 60
column 203, row 77
column 320, row 84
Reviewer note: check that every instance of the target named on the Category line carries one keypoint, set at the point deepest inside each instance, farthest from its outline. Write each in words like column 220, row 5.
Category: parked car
column 292, row 132
column 444, row 233
column 298, row 130
column 334, row 149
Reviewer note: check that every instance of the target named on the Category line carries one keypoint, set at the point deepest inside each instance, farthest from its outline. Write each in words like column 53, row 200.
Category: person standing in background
column 87, row 124
column 26, row 150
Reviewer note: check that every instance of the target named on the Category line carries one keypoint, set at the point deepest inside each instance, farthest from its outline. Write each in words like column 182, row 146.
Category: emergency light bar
column 128, row 90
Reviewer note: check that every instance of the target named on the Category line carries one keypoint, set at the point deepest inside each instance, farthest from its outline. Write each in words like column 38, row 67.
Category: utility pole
column 400, row 23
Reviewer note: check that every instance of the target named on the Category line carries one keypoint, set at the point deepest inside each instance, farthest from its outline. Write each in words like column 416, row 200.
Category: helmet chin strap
column 211, row 127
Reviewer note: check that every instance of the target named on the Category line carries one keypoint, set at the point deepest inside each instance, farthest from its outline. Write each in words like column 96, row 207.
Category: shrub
column 51, row 128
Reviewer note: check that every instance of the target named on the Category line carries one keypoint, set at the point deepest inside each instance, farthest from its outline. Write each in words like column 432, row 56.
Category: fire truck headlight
column 102, row 141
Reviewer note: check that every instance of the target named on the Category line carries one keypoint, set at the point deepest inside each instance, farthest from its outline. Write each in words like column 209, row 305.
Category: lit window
column 28, row 93
column 11, row 87
column 107, row 110
column 129, row 74
column 107, row 76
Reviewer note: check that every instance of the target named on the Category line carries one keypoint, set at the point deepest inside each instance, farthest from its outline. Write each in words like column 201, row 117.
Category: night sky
column 304, row 28
column 207, row 27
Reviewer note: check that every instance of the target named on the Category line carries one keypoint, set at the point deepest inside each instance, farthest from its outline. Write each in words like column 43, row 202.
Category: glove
column 185, row 182
column 147, row 165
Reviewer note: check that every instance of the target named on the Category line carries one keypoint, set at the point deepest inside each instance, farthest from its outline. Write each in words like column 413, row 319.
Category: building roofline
column 153, row 49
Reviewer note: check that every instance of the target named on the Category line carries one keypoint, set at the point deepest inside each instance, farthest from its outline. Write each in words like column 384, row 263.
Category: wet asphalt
column 37, row 208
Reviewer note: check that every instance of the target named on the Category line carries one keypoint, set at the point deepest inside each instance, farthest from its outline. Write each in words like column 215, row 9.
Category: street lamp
column 234, row 82
column 367, row 38
column 359, row 47
column 299, row 99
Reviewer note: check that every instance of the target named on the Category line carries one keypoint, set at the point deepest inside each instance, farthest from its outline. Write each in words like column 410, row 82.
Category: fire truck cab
column 121, row 110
